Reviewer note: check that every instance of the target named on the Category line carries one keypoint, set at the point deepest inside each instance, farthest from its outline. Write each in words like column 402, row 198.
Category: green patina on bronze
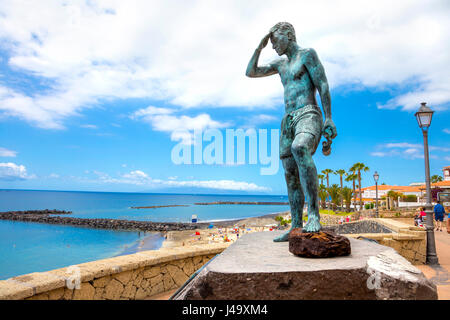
column 302, row 126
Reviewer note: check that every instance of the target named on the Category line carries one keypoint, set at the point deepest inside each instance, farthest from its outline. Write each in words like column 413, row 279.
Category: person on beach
column 439, row 213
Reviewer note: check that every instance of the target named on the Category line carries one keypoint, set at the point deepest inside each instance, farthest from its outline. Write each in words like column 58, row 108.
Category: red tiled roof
column 395, row 188
column 439, row 184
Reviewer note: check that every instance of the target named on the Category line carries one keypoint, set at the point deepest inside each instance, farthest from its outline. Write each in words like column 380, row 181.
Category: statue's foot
column 283, row 237
column 313, row 225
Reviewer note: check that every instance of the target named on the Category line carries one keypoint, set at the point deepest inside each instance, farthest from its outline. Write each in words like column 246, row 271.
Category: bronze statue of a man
column 302, row 126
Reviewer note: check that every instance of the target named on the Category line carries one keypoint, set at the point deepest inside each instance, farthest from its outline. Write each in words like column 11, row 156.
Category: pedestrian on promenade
column 418, row 219
column 422, row 214
column 439, row 213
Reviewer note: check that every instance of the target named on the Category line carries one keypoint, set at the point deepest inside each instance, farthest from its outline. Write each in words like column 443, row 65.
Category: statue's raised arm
column 253, row 71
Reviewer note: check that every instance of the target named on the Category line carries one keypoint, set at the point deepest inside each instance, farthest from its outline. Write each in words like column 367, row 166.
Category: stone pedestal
column 255, row 267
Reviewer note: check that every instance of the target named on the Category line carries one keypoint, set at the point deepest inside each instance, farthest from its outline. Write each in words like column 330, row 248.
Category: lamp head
column 376, row 176
column 424, row 115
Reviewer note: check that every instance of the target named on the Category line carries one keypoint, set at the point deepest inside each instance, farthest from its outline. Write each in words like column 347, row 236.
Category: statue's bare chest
column 293, row 71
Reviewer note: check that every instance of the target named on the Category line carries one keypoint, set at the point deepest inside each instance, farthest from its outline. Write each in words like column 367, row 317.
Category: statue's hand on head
column 264, row 42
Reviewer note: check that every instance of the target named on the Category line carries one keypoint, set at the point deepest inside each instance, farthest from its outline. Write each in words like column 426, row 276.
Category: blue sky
column 92, row 95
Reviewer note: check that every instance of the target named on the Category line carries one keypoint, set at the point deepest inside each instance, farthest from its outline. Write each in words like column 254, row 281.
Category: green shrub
column 410, row 198
column 369, row 205
column 283, row 221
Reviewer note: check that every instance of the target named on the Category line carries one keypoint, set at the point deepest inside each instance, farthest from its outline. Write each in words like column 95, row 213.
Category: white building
column 446, row 171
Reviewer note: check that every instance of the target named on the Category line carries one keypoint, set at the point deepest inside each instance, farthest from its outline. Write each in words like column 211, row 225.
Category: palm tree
column 321, row 177
column 335, row 194
column 352, row 177
column 394, row 195
column 323, row 194
column 340, row 173
column 436, row 178
column 359, row 166
column 347, row 194
column 326, row 172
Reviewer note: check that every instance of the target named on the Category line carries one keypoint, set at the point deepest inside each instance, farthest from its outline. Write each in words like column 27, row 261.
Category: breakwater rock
column 165, row 206
column 45, row 211
column 240, row 202
column 114, row 224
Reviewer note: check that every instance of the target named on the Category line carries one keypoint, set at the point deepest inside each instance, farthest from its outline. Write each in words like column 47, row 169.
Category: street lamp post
column 423, row 116
column 375, row 177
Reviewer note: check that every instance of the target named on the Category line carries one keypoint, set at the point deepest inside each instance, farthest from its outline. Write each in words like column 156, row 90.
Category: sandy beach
column 223, row 231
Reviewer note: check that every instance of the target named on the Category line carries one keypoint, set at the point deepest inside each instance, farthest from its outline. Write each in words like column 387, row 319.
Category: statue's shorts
column 304, row 120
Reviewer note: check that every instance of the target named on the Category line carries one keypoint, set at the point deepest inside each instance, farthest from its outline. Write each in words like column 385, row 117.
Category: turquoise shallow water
column 34, row 247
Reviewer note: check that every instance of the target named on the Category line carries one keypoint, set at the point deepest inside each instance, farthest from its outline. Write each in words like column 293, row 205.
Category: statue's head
column 280, row 35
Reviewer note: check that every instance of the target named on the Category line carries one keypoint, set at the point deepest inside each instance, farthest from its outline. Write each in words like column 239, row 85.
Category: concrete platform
column 256, row 268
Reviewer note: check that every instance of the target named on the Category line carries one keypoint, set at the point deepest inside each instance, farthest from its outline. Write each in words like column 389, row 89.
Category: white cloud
column 259, row 119
column 54, row 176
column 7, row 153
column 219, row 184
column 89, row 126
column 179, row 127
column 194, row 54
column 446, row 130
column 137, row 174
column 402, row 145
column 139, row 177
column 406, row 150
column 11, row 171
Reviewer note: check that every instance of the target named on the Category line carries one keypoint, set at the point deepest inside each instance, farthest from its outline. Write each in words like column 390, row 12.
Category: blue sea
column 35, row 247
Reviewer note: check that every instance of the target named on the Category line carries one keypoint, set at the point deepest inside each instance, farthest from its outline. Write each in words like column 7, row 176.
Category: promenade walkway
column 440, row 275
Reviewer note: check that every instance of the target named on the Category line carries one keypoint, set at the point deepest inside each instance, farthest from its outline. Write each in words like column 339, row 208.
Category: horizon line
column 145, row 192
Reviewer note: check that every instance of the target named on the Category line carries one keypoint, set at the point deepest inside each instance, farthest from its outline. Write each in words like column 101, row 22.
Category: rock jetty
column 45, row 211
column 166, row 206
column 114, row 224
column 241, row 202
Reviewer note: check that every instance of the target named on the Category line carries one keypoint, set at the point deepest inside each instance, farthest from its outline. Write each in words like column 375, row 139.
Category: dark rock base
column 321, row 244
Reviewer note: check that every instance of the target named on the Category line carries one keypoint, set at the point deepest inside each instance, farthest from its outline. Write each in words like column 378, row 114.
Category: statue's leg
column 295, row 194
column 303, row 148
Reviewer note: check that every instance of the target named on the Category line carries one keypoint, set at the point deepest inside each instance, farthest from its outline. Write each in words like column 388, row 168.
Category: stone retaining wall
column 327, row 219
column 130, row 277
column 408, row 241
column 363, row 226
